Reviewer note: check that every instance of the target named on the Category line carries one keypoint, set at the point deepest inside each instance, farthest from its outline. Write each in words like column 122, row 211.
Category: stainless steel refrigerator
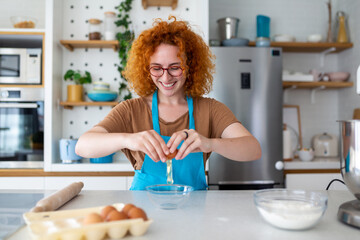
column 249, row 81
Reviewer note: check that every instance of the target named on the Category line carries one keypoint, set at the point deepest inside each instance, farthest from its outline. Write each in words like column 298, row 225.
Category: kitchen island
column 209, row 215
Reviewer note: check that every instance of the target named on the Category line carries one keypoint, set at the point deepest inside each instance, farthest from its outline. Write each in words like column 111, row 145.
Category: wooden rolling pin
column 59, row 198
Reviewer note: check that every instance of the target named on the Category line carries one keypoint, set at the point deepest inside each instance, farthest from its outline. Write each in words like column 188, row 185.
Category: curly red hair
column 196, row 57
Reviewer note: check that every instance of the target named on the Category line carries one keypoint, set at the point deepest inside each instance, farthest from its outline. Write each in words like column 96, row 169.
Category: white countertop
column 316, row 163
column 215, row 215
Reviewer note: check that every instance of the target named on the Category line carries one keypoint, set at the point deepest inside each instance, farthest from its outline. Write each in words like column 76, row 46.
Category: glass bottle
column 94, row 29
column 341, row 28
column 109, row 22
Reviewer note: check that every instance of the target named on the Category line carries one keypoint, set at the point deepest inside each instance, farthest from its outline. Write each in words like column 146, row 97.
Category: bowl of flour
column 291, row 209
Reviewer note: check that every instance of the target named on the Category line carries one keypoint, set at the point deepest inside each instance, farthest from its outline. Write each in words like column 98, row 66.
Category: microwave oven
column 20, row 66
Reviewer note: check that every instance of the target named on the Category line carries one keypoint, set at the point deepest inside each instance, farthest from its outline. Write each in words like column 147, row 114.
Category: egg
column 92, row 218
column 137, row 213
column 116, row 216
column 127, row 208
column 172, row 155
column 106, row 210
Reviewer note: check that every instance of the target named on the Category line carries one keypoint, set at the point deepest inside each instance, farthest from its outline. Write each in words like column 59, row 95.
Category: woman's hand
column 149, row 142
column 193, row 142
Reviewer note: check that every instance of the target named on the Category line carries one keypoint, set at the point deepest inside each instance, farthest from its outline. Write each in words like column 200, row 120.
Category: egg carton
column 68, row 225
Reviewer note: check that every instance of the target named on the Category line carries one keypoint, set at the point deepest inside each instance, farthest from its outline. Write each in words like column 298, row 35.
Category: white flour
column 287, row 214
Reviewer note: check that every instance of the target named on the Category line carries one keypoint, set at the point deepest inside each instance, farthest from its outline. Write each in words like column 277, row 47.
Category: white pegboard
column 101, row 63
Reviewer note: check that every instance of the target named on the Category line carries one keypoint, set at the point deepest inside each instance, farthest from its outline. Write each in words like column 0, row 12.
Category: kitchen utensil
column 306, row 154
column 262, row 26
column 102, row 96
column 325, row 145
column 67, row 151
column 314, row 38
column 284, row 38
column 166, row 196
column 349, row 212
column 291, row 209
column 101, row 86
column 356, row 114
column 287, row 144
column 23, row 22
column 106, row 159
column 228, row 27
column 235, row 42
column 338, row 76
column 94, row 29
column 341, row 28
column 110, row 27
column 58, row 198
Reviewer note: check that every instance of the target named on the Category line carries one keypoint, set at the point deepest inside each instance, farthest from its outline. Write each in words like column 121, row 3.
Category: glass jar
column 94, row 29
column 109, row 21
column 341, row 28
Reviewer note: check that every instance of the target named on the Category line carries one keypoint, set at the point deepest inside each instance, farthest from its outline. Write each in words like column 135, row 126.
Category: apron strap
column 155, row 112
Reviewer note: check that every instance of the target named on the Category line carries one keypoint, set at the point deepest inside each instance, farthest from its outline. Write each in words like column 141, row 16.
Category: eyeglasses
column 174, row 71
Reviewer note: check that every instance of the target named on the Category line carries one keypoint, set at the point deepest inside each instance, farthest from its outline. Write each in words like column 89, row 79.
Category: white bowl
column 291, row 209
column 306, row 155
column 284, row 38
column 314, row 38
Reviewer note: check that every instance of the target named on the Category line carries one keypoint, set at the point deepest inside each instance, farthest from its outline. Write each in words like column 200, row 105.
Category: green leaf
column 69, row 74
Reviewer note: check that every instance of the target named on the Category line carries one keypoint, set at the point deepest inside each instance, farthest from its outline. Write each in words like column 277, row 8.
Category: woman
column 170, row 67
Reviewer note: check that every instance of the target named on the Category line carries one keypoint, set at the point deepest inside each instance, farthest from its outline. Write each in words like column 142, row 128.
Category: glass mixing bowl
column 169, row 196
column 291, row 209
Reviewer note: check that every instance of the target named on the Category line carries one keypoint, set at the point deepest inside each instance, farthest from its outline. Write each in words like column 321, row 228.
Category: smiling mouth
column 168, row 85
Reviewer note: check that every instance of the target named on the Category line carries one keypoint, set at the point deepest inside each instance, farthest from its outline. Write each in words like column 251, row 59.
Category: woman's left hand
column 193, row 142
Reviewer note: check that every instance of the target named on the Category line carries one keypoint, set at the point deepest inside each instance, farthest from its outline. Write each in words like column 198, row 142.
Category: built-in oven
column 21, row 124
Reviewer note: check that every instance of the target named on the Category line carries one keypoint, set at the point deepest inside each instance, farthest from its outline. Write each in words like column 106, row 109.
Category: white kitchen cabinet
column 314, row 181
column 90, row 183
column 22, row 183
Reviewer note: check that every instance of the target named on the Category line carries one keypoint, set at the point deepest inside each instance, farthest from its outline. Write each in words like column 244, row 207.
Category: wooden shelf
column 308, row 47
column 71, row 44
column 70, row 105
column 159, row 3
column 287, row 84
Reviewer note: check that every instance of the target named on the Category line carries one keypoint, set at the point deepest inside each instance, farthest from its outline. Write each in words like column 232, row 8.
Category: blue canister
column 67, row 151
column 262, row 26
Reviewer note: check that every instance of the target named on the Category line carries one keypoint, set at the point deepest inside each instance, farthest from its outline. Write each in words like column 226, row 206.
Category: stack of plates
column 101, row 93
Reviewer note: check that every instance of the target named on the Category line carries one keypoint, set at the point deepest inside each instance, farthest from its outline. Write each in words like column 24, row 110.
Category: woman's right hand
column 149, row 142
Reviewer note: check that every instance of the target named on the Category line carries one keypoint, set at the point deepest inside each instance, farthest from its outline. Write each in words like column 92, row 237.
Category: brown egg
column 127, row 208
column 92, row 218
column 137, row 213
column 172, row 155
column 116, row 216
column 106, row 210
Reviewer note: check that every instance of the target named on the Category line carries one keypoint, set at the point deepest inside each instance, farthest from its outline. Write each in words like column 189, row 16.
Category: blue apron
column 188, row 171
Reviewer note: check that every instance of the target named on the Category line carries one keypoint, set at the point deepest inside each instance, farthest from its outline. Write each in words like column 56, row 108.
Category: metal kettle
column 325, row 145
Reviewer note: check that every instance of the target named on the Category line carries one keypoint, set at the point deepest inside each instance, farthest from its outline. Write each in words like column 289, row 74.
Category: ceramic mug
column 67, row 151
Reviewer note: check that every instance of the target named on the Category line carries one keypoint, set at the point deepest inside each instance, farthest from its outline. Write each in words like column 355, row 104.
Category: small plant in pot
column 75, row 91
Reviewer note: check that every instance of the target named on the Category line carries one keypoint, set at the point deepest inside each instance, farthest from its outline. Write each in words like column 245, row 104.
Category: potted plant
column 75, row 91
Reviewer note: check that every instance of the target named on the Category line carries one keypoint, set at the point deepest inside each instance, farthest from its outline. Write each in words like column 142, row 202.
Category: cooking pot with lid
column 325, row 145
